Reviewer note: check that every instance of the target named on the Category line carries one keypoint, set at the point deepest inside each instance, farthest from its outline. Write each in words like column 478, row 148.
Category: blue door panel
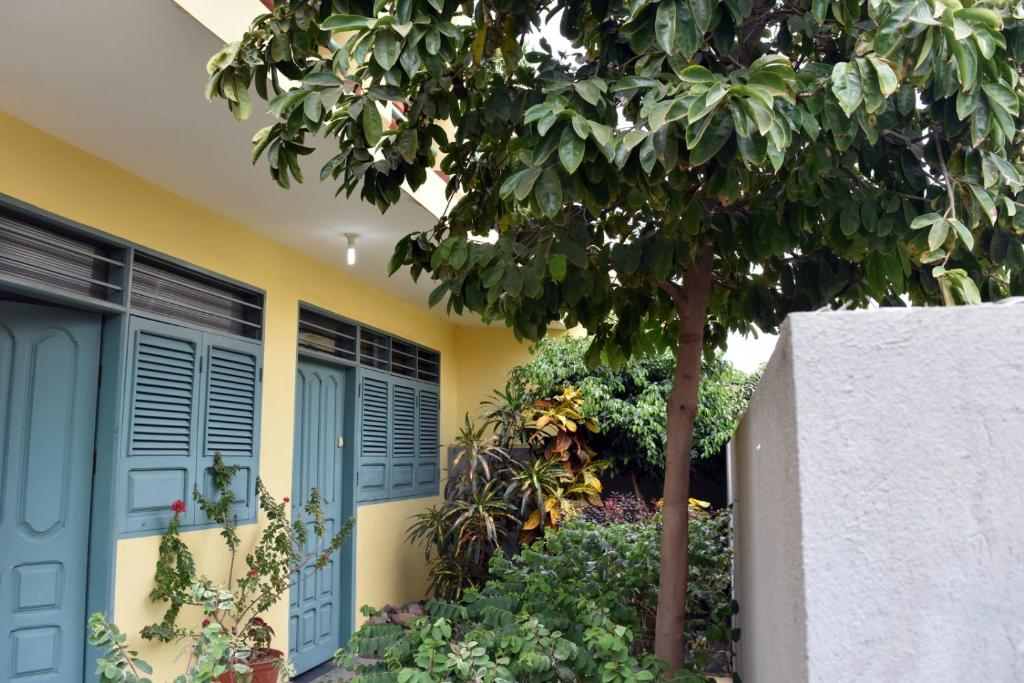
column 49, row 367
column 318, row 598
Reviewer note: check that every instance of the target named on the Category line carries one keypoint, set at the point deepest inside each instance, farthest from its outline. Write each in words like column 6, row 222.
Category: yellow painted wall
column 478, row 374
column 46, row 172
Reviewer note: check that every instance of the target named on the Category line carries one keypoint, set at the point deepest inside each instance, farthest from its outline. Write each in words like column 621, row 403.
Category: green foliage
column 213, row 655
column 118, row 664
column 621, row 564
column 851, row 151
column 233, row 630
column 576, row 605
column 628, row 401
column 175, row 573
column 491, row 499
column 490, row 639
column 476, row 518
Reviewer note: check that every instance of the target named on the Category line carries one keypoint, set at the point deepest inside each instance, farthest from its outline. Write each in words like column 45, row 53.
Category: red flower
column 178, row 507
column 253, row 572
column 206, row 622
column 287, row 499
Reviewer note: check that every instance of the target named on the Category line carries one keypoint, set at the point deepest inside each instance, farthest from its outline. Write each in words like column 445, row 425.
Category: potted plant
column 232, row 642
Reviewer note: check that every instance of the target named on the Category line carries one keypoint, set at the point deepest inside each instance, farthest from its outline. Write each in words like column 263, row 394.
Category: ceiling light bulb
column 351, row 256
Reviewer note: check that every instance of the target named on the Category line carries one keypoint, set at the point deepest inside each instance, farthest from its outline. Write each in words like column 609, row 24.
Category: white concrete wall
column 879, row 488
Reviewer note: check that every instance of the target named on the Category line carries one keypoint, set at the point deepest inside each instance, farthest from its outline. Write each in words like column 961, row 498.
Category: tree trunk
column 691, row 308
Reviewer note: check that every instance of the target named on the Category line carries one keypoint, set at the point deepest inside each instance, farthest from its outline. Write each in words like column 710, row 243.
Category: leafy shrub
column 629, row 401
column 493, row 500
column 493, row 639
column 616, row 566
column 578, row 603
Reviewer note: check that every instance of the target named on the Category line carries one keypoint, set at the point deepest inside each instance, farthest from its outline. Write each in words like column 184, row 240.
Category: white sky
column 749, row 353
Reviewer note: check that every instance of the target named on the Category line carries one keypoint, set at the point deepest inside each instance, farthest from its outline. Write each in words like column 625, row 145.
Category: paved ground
column 325, row 673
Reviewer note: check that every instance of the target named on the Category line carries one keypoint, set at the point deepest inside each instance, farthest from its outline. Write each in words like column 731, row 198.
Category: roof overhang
column 123, row 80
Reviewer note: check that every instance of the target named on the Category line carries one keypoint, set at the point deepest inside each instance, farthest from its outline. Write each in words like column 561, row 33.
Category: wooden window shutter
column 374, row 436
column 231, row 413
column 163, row 399
column 403, row 439
column 428, row 441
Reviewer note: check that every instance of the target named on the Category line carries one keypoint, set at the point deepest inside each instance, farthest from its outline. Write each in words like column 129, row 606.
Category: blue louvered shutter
column 402, row 475
column 231, row 417
column 428, row 449
column 374, row 435
column 162, row 418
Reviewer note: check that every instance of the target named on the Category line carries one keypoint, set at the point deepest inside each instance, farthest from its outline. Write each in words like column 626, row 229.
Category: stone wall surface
column 878, row 479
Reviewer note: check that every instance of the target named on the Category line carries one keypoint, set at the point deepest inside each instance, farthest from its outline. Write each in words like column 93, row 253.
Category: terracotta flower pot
column 263, row 665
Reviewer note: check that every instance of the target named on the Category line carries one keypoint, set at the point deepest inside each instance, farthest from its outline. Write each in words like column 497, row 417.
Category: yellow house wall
column 478, row 374
column 43, row 171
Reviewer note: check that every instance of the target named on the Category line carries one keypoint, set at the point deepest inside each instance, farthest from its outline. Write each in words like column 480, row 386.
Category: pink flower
column 206, row 622
column 178, row 507
column 287, row 499
column 253, row 572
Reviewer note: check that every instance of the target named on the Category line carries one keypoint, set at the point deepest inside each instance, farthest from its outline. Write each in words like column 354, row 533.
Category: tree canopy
column 827, row 151
column 686, row 169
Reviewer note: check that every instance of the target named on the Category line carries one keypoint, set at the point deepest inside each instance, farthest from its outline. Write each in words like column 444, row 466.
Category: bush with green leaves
column 494, row 500
column 493, row 639
column 581, row 600
column 628, row 401
column 214, row 653
column 616, row 567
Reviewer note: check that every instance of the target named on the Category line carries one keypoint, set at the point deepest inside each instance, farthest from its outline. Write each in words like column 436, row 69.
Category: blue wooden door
column 318, row 600
column 49, row 364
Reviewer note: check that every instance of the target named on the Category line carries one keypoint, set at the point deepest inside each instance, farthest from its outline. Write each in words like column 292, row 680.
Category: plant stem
column 944, row 285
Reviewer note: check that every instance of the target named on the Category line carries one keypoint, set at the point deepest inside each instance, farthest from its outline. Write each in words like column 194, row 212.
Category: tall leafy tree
column 688, row 168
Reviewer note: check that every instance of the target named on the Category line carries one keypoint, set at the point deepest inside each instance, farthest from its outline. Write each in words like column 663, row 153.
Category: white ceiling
column 123, row 80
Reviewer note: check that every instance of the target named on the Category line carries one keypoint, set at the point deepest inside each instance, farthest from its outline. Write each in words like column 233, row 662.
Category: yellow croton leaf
column 533, row 521
column 702, row 504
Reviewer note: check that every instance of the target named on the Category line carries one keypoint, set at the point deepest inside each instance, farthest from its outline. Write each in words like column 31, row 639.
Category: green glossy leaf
column 963, row 233
column 548, row 192
column 409, row 144
column 557, row 266
column 887, row 80
column 702, row 12
column 846, row 86
column 988, row 207
column 665, row 25
column 589, row 90
column 938, row 233
column 373, row 127
column 386, row 48
column 712, row 140
column 525, row 183
column 437, row 294
column 346, row 22
column 925, row 221
column 697, row 74
column 570, row 149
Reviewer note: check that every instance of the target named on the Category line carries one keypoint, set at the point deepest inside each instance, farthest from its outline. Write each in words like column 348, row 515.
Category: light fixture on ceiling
column 351, row 237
